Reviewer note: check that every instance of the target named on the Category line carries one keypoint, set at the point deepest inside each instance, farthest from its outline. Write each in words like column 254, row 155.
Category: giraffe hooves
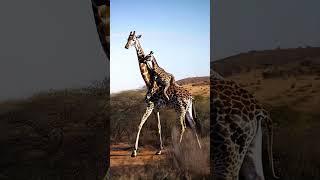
column 134, row 153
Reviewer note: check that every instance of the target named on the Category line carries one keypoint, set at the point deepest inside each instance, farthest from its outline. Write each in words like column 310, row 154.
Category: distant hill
column 195, row 85
column 245, row 62
column 288, row 77
column 194, row 80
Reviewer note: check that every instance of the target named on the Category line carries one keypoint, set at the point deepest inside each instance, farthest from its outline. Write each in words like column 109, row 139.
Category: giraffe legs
column 185, row 113
column 182, row 122
column 144, row 118
column 159, row 131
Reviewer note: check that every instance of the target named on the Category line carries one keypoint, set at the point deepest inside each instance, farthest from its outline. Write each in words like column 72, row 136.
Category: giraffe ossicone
column 180, row 99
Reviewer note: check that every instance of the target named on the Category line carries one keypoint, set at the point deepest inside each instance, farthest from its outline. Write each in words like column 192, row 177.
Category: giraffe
column 159, row 74
column 236, row 132
column 101, row 13
column 181, row 100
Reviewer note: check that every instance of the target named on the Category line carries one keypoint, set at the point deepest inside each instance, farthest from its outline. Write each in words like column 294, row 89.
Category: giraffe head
column 149, row 60
column 132, row 39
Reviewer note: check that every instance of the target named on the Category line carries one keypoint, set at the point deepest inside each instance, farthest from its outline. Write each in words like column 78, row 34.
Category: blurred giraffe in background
column 236, row 132
column 101, row 12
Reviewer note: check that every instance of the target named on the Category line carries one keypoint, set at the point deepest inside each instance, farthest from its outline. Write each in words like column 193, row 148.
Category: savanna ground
column 177, row 161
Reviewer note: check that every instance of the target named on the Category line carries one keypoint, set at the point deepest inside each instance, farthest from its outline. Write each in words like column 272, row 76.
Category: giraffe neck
column 145, row 73
column 139, row 50
column 155, row 64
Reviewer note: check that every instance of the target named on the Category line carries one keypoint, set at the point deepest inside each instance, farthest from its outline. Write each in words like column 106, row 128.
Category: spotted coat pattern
column 160, row 77
column 237, row 118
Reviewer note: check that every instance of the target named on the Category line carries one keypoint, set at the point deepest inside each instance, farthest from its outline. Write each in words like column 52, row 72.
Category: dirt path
column 122, row 162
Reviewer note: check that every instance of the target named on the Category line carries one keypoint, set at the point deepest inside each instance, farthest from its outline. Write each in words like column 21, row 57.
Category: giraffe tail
column 195, row 117
column 193, row 122
column 270, row 144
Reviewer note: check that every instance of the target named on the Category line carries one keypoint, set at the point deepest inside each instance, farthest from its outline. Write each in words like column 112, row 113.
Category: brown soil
column 120, row 155
column 121, row 161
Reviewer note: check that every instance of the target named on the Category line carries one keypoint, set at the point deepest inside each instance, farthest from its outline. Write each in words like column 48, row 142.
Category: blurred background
column 48, row 45
column 272, row 49
column 54, row 90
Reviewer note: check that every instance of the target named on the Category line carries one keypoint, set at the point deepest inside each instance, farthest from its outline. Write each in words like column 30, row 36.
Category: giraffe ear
column 139, row 36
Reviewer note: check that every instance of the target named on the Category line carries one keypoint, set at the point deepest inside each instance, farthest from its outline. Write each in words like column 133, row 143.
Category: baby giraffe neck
column 155, row 64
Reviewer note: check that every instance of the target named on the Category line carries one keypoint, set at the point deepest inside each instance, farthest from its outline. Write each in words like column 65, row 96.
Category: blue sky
column 177, row 31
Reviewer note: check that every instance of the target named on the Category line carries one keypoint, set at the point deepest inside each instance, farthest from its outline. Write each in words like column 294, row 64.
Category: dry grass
column 295, row 149
column 187, row 156
column 198, row 89
column 182, row 161
column 301, row 93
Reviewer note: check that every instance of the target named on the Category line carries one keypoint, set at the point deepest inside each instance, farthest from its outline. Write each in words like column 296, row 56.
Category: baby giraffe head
column 149, row 59
column 132, row 39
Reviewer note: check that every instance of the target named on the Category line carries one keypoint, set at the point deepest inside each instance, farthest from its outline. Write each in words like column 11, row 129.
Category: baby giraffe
column 160, row 76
